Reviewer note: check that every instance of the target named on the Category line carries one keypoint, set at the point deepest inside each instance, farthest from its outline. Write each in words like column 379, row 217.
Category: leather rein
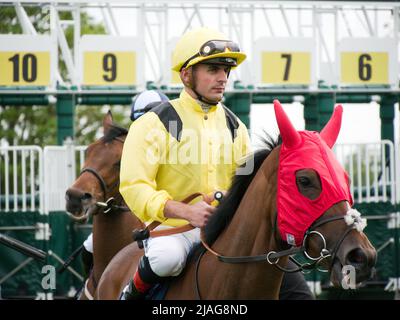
column 272, row 257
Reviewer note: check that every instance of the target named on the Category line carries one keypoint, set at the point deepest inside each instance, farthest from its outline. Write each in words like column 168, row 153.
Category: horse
column 96, row 192
column 247, row 241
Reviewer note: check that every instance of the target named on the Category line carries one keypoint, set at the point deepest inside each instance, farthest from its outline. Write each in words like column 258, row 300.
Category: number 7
column 288, row 58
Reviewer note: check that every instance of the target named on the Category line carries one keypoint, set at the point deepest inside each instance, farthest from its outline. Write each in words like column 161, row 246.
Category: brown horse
column 96, row 192
column 248, row 252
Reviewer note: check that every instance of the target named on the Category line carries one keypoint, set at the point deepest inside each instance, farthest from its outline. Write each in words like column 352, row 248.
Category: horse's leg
column 118, row 272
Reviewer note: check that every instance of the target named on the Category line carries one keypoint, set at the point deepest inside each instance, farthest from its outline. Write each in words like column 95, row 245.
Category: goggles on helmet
column 217, row 46
column 213, row 47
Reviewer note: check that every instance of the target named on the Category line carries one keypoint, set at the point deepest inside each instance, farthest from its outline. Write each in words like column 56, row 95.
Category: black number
column 110, row 66
column 29, row 63
column 15, row 60
column 288, row 58
column 29, row 67
column 364, row 68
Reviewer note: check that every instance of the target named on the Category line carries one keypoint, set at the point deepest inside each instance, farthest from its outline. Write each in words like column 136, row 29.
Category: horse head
column 97, row 185
column 314, row 202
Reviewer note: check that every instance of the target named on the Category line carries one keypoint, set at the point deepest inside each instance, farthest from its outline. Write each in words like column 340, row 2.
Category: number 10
column 29, row 67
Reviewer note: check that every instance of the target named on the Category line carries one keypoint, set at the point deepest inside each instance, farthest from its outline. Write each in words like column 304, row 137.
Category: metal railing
column 21, row 178
column 371, row 169
column 63, row 164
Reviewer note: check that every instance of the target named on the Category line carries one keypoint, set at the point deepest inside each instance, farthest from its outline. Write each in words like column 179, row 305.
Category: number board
column 110, row 61
column 27, row 60
column 280, row 61
column 366, row 62
column 170, row 77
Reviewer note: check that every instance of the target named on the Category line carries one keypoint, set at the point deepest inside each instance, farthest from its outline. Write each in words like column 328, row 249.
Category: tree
column 36, row 125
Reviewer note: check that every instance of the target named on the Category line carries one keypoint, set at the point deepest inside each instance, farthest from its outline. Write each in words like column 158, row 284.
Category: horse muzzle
column 78, row 204
column 357, row 266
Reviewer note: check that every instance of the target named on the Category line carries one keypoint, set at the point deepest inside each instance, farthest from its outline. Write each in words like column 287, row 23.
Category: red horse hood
column 307, row 150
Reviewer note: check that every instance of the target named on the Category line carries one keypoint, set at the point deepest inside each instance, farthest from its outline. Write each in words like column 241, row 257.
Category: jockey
column 142, row 103
column 188, row 145
column 146, row 100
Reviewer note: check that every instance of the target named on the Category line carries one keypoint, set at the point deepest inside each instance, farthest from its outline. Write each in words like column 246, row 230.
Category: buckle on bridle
column 107, row 206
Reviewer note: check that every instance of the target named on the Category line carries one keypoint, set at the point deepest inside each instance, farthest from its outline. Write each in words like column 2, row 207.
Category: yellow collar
column 189, row 101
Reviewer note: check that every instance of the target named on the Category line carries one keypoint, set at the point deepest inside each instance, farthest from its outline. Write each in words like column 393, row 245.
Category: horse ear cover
column 331, row 130
column 289, row 134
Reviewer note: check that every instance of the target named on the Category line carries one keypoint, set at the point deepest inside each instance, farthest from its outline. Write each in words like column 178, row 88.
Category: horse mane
column 113, row 132
column 229, row 204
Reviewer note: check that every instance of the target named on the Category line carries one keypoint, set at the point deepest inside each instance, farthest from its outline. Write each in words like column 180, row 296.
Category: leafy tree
column 36, row 125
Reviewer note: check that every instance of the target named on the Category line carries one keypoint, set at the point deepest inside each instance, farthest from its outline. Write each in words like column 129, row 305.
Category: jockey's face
column 209, row 80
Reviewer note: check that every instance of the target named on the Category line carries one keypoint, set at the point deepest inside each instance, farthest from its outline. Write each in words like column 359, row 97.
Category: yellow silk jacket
column 177, row 149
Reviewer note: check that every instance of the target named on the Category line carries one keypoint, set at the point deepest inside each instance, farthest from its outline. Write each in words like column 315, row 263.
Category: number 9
column 110, row 66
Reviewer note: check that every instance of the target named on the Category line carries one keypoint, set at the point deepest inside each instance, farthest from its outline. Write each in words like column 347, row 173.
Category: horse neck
column 251, row 232
column 251, row 225
column 111, row 232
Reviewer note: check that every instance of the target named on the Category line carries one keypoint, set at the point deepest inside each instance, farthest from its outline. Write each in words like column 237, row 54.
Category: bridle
column 272, row 257
column 109, row 204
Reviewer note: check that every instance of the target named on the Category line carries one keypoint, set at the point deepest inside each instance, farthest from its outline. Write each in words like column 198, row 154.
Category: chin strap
column 202, row 100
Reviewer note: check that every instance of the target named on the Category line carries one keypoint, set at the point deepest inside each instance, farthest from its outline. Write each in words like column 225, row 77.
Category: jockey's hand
column 199, row 213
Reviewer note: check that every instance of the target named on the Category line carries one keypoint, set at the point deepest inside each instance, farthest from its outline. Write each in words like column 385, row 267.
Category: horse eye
column 304, row 181
column 117, row 164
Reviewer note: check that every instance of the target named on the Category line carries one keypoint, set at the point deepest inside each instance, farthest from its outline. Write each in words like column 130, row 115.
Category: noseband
column 272, row 257
column 107, row 204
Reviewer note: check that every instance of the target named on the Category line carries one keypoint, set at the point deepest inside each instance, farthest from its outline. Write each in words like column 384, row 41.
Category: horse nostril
column 86, row 196
column 356, row 257
column 75, row 199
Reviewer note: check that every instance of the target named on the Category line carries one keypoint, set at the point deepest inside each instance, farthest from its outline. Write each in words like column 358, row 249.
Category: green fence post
column 386, row 113
column 311, row 114
column 240, row 104
column 326, row 102
column 65, row 109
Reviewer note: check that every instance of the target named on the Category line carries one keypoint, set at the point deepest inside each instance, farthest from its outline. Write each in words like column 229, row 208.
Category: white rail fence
column 35, row 179
column 61, row 171
column 371, row 169
column 21, row 179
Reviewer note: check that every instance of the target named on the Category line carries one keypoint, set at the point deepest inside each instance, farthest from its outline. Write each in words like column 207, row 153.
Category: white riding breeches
column 88, row 243
column 167, row 255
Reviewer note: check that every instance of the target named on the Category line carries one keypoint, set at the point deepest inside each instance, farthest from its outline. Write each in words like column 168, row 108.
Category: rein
column 272, row 257
column 352, row 219
column 148, row 232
